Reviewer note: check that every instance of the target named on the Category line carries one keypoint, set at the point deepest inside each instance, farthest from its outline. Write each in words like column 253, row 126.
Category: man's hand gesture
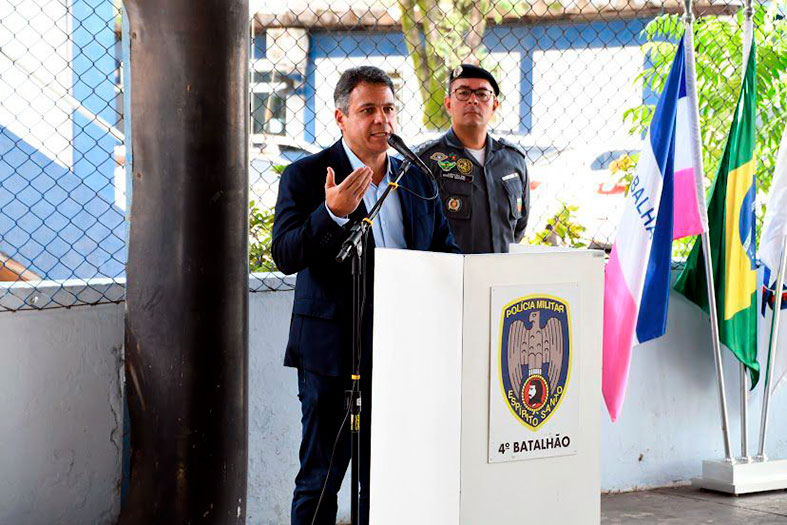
column 343, row 199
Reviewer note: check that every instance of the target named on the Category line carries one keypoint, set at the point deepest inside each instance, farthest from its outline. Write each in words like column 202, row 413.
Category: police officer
column 483, row 181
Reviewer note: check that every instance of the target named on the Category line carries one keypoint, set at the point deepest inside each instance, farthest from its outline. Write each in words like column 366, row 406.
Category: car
column 581, row 178
column 265, row 165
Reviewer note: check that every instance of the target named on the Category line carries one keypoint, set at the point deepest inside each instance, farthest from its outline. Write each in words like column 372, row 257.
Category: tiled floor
column 687, row 505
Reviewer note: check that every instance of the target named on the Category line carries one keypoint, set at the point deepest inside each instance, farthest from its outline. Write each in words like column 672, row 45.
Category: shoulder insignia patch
column 515, row 147
column 438, row 156
column 422, row 148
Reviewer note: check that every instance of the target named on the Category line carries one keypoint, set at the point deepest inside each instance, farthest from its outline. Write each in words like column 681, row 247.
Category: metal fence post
column 187, row 296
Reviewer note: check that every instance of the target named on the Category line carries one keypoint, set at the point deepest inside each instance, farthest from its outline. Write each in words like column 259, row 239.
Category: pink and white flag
column 691, row 213
column 666, row 201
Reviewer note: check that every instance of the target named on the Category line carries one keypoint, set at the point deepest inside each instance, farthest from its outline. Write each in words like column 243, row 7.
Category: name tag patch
column 457, row 176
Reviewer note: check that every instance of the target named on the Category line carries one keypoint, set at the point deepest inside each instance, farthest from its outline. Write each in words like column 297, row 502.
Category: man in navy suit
column 318, row 196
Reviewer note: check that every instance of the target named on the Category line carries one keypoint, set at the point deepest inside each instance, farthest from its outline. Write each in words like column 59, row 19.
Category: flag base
column 743, row 478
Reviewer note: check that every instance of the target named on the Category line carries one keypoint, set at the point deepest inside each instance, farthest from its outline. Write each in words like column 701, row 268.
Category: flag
column 764, row 322
column 773, row 231
column 691, row 216
column 774, row 225
column 732, row 235
column 665, row 201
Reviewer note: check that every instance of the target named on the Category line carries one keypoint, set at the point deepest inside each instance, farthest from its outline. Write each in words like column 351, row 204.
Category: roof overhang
column 368, row 14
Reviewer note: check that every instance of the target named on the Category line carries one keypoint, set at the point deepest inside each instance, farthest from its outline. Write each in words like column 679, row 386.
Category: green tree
column 260, row 237
column 440, row 35
column 561, row 230
column 261, row 234
column 718, row 57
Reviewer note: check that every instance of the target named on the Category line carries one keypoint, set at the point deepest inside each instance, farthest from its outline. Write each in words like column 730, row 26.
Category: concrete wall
column 274, row 410
column 274, row 414
column 671, row 418
column 61, row 417
column 61, row 424
column 669, row 424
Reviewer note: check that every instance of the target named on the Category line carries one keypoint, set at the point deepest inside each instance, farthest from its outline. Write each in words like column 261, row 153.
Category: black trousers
column 323, row 411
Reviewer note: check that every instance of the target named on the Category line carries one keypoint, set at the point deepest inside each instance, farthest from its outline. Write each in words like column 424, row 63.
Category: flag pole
column 691, row 89
column 744, row 416
column 777, row 307
column 748, row 31
column 716, row 347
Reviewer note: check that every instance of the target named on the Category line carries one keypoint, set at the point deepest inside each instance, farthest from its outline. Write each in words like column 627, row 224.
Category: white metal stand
column 743, row 478
column 747, row 475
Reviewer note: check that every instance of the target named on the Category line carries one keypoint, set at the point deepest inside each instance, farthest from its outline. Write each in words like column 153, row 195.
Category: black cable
column 330, row 464
column 433, row 197
column 403, row 169
column 408, row 190
column 363, row 289
column 349, row 408
column 359, row 335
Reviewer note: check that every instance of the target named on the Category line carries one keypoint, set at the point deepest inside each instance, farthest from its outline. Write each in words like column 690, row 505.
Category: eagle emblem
column 535, row 357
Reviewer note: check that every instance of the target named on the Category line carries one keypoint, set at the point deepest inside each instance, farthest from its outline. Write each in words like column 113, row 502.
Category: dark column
column 187, row 297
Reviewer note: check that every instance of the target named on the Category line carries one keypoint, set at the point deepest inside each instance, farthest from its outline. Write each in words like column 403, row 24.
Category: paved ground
column 687, row 505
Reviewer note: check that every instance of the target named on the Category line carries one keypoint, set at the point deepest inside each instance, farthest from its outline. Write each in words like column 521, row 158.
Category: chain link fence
column 578, row 79
column 62, row 193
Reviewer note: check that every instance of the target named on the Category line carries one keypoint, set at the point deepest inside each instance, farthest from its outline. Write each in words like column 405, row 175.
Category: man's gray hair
column 354, row 76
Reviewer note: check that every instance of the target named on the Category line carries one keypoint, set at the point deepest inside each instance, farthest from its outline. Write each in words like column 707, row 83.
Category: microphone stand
column 354, row 246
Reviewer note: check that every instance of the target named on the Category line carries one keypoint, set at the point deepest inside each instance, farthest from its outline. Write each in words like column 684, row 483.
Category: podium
column 486, row 387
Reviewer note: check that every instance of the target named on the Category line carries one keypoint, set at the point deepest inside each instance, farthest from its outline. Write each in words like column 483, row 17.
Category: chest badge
column 454, row 204
column 465, row 166
column 448, row 163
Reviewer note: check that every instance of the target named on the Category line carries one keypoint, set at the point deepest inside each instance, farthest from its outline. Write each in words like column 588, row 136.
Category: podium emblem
column 535, row 357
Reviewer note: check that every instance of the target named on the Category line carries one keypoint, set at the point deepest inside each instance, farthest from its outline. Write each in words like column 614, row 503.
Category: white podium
column 487, row 387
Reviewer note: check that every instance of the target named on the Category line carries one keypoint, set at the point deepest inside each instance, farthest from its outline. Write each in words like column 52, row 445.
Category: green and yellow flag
column 732, row 236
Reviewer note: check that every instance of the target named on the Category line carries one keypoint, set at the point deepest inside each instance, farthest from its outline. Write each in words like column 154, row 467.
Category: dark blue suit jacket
column 306, row 240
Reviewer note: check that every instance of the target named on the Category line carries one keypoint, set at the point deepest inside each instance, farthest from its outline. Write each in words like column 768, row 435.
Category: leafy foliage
column 625, row 166
column 260, row 237
column 719, row 56
column 561, row 230
column 440, row 35
column 261, row 234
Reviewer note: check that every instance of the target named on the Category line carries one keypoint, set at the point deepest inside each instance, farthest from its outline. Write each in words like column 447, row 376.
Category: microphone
column 396, row 142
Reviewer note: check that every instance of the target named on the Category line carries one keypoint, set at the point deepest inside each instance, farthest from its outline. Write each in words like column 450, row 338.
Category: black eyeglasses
column 483, row 95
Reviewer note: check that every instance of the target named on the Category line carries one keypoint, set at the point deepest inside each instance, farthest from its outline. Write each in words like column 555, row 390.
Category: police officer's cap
column 473, row 71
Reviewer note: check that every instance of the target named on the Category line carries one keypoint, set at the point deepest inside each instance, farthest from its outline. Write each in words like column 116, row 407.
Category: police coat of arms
column 535, row 357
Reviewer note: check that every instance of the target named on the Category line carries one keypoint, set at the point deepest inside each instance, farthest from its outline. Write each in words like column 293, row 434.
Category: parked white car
column 579, row 177
column 263, row 178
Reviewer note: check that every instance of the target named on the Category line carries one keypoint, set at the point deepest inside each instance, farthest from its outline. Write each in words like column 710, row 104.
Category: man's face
column 472, row 112
column 531, row 391
column 370, row 119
